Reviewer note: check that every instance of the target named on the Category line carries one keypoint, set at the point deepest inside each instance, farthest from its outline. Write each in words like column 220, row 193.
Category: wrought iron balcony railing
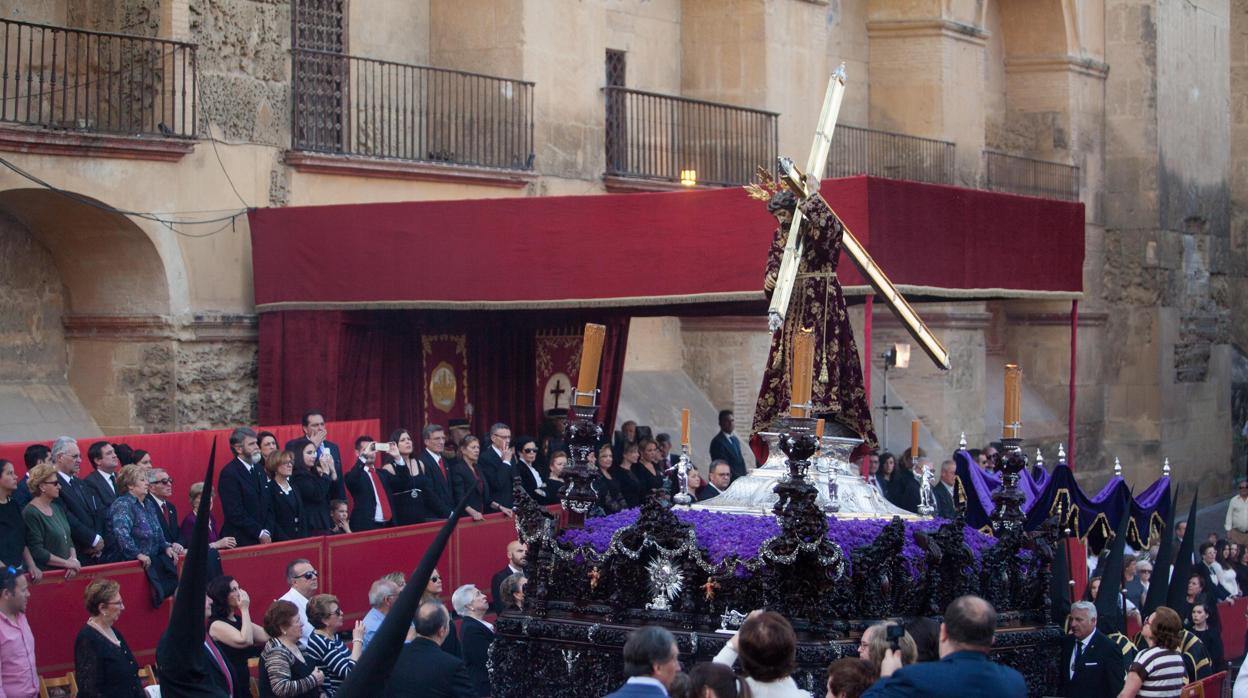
column 361, row 106
column 865, row 151
column 659, row 137
column 1021, row 175
column 64, row 78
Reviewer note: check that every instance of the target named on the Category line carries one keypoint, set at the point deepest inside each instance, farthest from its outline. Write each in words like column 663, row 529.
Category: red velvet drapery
column 368, row 362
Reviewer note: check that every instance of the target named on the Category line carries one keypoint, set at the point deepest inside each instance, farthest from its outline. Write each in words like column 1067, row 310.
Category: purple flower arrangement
column 724, row 535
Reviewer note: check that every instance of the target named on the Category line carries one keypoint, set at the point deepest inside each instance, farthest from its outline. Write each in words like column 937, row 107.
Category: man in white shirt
column 1237, row 516
column 304, row 582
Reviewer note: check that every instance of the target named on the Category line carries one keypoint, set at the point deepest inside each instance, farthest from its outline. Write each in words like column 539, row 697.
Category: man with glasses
column 437, row 469
column 1237, row 516
column 497, row 462
column 304, row 582
column 81, row 505
column 160, row 491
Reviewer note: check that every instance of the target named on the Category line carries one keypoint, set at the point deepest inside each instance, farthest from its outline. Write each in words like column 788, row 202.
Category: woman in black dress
column 649, row 470
column 1198, row 622
column 467, row 478
column 104, row 666
column 314, row 479
column 885, row 475
column 408, row 475
column 285, row 506
column 630, row 457
column 230, row 626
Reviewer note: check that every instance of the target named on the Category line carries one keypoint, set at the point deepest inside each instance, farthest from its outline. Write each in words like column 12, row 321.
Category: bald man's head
column 432, row 621
column 970, row 622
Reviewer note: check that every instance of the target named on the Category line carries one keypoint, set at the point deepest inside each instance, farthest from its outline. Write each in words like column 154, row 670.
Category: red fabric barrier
column 921, row 234
column 348, row 566
column 1234, row 625
column 184, row 454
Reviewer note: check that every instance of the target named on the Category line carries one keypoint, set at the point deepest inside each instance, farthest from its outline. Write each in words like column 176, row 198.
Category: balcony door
column 319, row 40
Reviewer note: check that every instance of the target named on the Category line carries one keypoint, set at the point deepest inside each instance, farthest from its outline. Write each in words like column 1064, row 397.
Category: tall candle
column 803, row 372
column 591, row 359
column 914, row 440
column 1012, row 417
column 684, row 427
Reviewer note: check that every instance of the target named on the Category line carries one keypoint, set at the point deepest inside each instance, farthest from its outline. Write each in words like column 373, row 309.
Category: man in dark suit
column 438, row 470
column 726, row 446
column 242, row 491
column 314, row 433
column 497, row 460
column 160, row 499
column 475, row 635
column 666, row 457
column 650, row 663
column 35, row 454
column 82, row 507
column 944, row 490
column 103, row 478
column 1091, row 664
column 516, row 552
column 423, row 670
column 964, row 670
column 370, row 489
column 718, row 477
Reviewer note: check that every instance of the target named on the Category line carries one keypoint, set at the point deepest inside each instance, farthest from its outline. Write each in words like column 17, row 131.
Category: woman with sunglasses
column 13, row 550
column 47, row 529
column 433, row 594
column 325, row 650
column 104, row 666
column 532, row 478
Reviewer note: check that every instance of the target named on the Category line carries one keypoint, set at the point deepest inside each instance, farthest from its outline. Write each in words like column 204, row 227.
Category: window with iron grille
column 617, row 124
column 319, row 39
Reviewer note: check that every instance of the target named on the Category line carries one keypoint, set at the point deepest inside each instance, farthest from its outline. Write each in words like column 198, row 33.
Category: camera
column 894, row 634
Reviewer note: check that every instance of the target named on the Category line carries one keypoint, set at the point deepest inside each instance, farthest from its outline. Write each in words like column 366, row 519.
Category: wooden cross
column 805, row 185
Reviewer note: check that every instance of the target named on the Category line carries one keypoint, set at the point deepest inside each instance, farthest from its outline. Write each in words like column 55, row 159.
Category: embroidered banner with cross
column 558, row 358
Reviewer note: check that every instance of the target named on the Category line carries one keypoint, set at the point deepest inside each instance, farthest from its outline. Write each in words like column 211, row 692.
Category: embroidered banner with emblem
column 444, row 367
column 558, row 356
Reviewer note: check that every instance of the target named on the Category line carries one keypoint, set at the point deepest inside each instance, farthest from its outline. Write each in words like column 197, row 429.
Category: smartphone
column 895, row 633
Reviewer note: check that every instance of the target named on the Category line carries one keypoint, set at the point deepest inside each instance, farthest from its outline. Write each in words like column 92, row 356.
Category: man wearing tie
column 160, row 492
column 496, row 466
column 83, row 508
column 242, row 491
column 944, row 490
column 1091, row 664
column 104, row 465
column 438, row 498
column 370, row 488
column 726, row 446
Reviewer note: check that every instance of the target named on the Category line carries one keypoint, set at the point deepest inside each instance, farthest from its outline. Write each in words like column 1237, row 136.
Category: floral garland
column 738, row 538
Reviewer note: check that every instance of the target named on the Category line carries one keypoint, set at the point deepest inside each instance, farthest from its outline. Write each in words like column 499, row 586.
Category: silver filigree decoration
column 666, row 583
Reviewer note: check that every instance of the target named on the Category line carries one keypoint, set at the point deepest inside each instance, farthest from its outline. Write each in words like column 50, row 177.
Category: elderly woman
column 104, row 666
column 47, row 528
column 874, row 645
column 511, row 592
column 284, row 670
column 767, row 648
column 13, row 549
column 290, row 522
column 324, row 649
column 188, row 523
column 1158, row 671
column 230, row 627
column 131, row 530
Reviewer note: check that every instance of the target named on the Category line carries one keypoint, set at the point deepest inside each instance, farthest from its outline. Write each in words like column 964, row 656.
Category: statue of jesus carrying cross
column 804, row 290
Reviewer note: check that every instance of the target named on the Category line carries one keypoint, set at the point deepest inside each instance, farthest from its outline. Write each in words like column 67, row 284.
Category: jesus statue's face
column 783, row 216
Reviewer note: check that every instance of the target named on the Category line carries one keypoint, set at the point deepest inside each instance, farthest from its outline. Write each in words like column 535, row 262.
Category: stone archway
column 85, row 301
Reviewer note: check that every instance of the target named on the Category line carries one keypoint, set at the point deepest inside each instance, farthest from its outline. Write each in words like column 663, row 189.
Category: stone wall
column 32, row 303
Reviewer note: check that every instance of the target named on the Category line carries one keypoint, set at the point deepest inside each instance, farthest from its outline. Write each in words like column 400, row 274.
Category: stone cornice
column 1087, row 318
column 916, row 28
column 152, row 328
column 884, row 319
column 1057, row 64
column 41, row 141
column 357, row 166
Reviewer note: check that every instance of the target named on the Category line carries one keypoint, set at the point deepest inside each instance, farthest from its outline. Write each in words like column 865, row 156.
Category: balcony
column 1030, row 177
column 96, row 82
column 864, row 151
column 351, row 106
column 662, row 139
